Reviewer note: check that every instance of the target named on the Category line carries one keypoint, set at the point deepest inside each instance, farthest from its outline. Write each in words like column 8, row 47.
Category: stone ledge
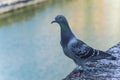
column 9, row 5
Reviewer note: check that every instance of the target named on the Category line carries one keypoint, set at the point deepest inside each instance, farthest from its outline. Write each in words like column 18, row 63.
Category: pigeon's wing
column 81, row 50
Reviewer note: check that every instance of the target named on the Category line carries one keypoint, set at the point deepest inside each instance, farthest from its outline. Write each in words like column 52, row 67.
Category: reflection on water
column 29, row 44
column 21, row 14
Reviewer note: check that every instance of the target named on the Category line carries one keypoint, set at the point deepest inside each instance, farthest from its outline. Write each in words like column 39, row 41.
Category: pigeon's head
column 60, row 19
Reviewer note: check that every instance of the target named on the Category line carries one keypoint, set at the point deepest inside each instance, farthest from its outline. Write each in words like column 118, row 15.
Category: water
column 29, row 44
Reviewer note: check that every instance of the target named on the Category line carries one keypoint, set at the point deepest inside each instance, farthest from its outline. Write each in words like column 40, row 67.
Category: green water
column 30, row 46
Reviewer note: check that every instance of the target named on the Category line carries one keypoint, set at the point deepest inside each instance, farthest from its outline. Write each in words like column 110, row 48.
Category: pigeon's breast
column 68, row 52
column 67, row 49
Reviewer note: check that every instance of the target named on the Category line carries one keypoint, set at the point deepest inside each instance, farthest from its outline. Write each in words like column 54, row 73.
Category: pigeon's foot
column 76, row 73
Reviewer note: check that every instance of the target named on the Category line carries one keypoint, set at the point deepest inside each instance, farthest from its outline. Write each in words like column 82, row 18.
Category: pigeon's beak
column 53, row 22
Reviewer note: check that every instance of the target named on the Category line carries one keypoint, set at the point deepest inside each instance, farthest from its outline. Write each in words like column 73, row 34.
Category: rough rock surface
column 100, row 70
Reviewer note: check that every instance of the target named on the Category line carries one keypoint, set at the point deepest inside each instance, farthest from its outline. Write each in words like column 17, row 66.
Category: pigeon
column 76, row 49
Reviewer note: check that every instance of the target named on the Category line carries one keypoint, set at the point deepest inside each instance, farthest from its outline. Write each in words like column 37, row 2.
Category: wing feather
column 81, row 49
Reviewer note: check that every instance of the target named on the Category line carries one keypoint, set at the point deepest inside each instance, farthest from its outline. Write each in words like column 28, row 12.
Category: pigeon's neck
column 66, row 33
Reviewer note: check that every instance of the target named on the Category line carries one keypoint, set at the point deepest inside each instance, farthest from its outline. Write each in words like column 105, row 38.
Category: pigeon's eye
column 60, row 18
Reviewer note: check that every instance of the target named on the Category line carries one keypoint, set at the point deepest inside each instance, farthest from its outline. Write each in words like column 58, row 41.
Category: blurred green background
column 30, row 45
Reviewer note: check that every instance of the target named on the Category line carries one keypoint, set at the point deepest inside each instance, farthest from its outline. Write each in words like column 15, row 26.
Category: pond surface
column 30, row 46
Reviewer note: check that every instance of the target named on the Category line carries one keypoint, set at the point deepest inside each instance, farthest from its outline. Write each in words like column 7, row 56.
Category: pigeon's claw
column 76, row 73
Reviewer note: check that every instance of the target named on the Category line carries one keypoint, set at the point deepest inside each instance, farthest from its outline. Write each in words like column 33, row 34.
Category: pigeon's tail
column 107, row 56
column 111, row 57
